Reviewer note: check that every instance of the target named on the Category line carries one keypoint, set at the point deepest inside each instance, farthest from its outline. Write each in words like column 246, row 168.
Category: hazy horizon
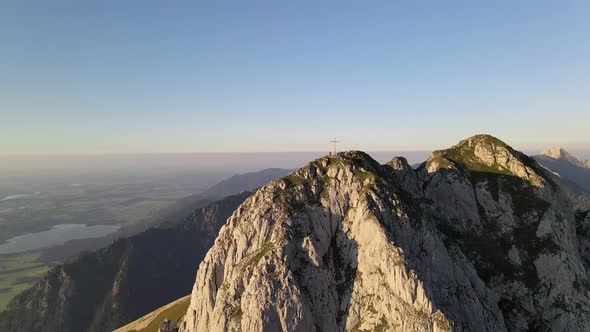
column 220, row 162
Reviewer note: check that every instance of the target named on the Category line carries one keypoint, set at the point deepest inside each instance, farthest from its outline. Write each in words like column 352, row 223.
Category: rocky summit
column 478, row 238
column 560, row 153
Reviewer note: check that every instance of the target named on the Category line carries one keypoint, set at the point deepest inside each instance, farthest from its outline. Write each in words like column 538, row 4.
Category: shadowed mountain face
column 103, row 290
column 479, row 238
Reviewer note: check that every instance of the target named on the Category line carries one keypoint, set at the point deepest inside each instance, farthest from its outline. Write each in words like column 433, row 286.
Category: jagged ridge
column 479, row 238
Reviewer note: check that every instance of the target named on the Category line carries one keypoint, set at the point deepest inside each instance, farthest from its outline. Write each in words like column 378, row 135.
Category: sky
column 121, row 77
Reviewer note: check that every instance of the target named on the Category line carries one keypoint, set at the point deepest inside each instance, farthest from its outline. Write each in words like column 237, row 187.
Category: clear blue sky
column 290, row 75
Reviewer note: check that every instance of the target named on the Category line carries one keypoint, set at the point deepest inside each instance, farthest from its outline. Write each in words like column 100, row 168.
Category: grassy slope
column 18, row 272
column 151, row 321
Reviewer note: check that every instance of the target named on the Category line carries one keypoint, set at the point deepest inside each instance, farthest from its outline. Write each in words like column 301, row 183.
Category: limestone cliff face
column 316, row 251
column 509, row 217
column 583, row 231
column 479, row 238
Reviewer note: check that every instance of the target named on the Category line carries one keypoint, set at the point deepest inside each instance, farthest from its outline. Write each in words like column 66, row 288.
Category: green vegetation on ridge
column 175, row 313
column 464, row 154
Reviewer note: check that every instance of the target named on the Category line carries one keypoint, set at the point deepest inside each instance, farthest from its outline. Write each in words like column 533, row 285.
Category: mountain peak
column 344, row 243
column 555, row 152
column 488, row 154
column 481, row 142
column 482, row 139
column 560, row 153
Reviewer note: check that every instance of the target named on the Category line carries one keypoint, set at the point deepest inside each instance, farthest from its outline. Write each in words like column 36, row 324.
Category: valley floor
column 17, row 273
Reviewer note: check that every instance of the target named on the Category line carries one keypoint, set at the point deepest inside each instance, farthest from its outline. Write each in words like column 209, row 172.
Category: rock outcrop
column 583, row 231
column 478, row 238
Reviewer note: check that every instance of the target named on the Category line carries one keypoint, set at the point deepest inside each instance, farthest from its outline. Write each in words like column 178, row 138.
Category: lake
column 58, row 235
column 7, row 198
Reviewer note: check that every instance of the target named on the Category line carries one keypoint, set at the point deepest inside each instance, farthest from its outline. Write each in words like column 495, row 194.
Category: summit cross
column 335, row 142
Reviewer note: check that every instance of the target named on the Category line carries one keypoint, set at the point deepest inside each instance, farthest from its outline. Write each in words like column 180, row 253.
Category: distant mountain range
column 231, row 186
column 245, row 182
column 558, row 153
column 575, row 174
